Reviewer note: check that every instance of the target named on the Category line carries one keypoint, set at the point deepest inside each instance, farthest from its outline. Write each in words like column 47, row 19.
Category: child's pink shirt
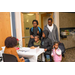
column 57, row 55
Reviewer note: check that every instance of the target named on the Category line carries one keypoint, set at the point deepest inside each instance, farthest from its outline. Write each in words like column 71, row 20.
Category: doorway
column 26, row 22
column 44, row 18
column 28, row 18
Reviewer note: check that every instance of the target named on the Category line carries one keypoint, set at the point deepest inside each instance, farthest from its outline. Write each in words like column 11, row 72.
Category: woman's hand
column 37, row 32
column 32, row 36
column 22, row 58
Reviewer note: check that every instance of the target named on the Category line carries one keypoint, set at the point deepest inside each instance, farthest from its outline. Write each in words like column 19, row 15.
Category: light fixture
column 27, row 20
column 30, row 14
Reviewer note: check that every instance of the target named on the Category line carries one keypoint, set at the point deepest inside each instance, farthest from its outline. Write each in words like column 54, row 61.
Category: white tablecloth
column 31, row 54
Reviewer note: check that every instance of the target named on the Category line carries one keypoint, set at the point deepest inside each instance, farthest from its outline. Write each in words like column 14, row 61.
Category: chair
column 9, row 58
column 0, row 59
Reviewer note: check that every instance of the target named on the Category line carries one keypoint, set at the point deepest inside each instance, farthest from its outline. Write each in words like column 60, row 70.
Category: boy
column 46, row 44
column 35, row 30
column 37, row 41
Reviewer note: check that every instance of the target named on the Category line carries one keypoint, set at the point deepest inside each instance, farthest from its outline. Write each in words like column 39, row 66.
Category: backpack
column 62, row 47
column 38, row 29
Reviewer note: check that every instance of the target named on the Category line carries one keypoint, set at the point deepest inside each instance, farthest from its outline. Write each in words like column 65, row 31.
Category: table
column 31, row 54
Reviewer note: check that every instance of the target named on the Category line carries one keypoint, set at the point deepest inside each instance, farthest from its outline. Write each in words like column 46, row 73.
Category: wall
column 68, row 42
column 56, row 22
column 40, row 18
column 45, row 20
column 22, row 25
column 5, row 27
column 66, row 19
column 18, row 26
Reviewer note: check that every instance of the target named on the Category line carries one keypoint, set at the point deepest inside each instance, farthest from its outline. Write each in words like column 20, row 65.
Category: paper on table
column 32, row 51
column 24, row 49
column 37, row 49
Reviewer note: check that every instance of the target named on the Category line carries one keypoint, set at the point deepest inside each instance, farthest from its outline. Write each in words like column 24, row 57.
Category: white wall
column 18, row 26
column 11, row 24
column 56, row 22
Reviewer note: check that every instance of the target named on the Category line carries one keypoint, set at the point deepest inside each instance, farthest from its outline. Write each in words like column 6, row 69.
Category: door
column 28, row 18
column 26, row 22
column 5, row 27
column 44, row 18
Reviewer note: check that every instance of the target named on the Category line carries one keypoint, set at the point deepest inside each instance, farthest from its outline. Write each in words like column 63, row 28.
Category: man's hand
column 37, row 32
column 45, row 49
column 31, row 36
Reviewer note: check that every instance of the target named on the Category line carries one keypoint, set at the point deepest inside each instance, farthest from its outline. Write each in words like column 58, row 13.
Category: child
column 10, row 44
column 34, row 31
column 56, row 53
column 37, row 41
column 46, row 44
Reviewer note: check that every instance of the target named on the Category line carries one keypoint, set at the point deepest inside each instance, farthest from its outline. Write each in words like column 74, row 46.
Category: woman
column 34, row 31
column 10, row 44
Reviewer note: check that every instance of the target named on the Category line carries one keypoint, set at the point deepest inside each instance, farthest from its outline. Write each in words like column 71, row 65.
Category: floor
column 69, row 55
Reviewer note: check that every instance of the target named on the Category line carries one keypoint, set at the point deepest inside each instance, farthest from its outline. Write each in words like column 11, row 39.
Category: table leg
column 33, row 59
column 43, row 58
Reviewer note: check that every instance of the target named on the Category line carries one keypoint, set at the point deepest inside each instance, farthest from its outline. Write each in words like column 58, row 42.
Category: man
column 35, row 30
column 53, row 31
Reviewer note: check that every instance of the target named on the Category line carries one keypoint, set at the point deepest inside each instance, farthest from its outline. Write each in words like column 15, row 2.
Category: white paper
column 37, row 49
column 32, row 51
column 23, row 49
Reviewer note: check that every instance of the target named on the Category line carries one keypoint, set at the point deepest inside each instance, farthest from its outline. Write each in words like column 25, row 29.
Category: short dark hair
column 56, row 43
column 35, row 21
column 50, row 19
column 10, row 42
column 37, row 36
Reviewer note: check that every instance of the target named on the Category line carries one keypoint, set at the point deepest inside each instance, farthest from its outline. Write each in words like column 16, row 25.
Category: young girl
column 56, row 53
